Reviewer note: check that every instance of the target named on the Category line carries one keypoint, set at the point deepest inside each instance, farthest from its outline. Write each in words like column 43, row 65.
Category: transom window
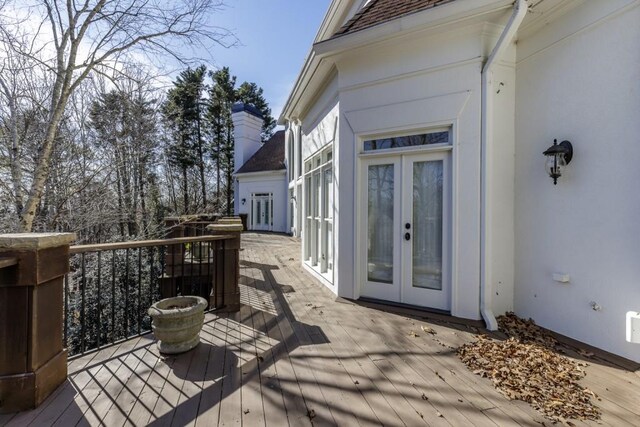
column 430, row 138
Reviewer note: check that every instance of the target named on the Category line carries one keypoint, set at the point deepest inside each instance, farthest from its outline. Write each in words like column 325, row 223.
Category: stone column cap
column 235, row 227
column 35, row 241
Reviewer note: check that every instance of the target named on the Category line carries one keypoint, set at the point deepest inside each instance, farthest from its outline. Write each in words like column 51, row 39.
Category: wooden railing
column 58, row 300
column 111, row 286
column 8, row 262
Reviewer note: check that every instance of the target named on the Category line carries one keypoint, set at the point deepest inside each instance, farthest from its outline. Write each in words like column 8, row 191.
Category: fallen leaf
column 528, row 367
column 585, row 353
column 429, row 330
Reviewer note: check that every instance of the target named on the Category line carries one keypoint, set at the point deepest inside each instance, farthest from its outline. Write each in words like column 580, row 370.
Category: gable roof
column 269, row 157
column 379, row 11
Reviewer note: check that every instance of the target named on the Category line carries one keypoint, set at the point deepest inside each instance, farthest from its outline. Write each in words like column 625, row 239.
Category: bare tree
column 74, row 38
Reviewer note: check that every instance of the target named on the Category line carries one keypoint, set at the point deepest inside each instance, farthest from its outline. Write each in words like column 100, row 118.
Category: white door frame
column 254, row 213
column 400, row 291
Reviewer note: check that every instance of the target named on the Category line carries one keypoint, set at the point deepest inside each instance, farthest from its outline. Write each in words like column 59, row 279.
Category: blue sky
column 275, row 37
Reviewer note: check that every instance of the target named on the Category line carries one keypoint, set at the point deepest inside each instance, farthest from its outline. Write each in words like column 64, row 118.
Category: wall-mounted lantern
column 558, row 156
column 244, row 201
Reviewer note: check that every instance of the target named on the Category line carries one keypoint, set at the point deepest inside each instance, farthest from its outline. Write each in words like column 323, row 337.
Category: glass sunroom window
column 318, row 233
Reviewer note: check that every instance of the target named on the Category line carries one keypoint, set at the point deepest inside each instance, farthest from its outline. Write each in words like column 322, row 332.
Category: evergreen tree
column 181, row 112
column 221, row 99
column 251, row 93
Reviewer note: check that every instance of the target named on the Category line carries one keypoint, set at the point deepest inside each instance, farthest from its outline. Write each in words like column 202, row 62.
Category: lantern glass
column 550, row 165
column 554, row 165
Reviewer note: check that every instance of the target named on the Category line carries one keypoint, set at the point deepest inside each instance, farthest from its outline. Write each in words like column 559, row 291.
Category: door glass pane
column 380, row 223
column 267, row 212
column 427, row 225
column 258, row 212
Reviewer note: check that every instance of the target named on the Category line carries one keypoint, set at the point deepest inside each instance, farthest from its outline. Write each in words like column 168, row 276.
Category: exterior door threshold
column 417, row 312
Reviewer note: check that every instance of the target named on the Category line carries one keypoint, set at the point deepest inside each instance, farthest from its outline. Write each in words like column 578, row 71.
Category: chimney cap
column 239, row 107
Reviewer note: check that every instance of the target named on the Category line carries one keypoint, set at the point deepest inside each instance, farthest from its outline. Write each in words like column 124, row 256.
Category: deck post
column 172, row 258
column 225, row 295
column 33, row 360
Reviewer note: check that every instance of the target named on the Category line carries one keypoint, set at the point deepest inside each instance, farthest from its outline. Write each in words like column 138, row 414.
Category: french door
column 262, row 211
column 404, row 236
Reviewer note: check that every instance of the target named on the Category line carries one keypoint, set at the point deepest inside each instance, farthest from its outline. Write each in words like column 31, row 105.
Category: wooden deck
column 294, row 355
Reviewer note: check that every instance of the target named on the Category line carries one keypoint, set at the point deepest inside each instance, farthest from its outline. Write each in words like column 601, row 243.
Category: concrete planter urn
column 176, row 323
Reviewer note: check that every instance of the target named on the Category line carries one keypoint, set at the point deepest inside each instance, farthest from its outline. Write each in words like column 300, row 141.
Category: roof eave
column 323, row 52
column 442, row 15
column 337, row 11
column 256, row 173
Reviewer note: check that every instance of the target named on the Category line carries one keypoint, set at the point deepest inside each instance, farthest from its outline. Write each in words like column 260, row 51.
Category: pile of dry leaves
column 526, row 367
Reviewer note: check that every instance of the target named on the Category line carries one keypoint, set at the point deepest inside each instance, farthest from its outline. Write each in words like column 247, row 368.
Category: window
column 290, row 153
column 298, row 141
column 291, row 210
column 318, row 233
column 407, row 141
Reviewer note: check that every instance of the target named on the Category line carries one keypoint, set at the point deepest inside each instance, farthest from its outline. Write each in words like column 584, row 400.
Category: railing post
column 225, row 295
column 173, row 258
column 33, row 361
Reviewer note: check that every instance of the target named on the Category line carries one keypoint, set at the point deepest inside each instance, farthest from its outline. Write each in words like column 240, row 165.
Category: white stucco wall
column 418, row 83
column 319, row 126
column 268, row 182
column 578, row 78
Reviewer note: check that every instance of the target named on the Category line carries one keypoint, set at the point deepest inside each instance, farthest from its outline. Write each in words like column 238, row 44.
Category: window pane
column 267, row 212
column 380, row 223
column 427, row 223
column 307, row 185
column 407, row 141
column 326, row 193
column 329, row 247
column 258, row 212
column 316, row 195
column 291, row 207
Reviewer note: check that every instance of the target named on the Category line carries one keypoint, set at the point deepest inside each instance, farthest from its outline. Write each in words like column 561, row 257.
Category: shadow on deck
column 294, row 355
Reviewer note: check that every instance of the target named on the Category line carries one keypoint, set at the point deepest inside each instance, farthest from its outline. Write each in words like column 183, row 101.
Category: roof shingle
column 379, row 11
column 270, row 157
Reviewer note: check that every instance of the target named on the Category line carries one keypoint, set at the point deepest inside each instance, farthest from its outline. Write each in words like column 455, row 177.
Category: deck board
column 297, row 355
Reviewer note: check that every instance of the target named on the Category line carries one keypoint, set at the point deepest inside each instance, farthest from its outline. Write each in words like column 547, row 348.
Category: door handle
column 407, row 236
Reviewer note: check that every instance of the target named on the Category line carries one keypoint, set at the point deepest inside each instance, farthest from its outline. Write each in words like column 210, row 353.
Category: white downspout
column 519, row 12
